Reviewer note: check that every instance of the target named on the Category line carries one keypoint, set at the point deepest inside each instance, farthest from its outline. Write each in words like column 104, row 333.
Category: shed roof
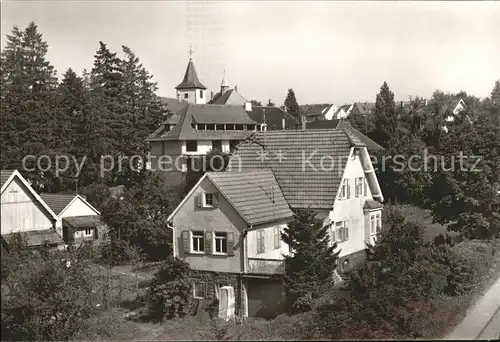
column 36, row 237
column 81, row 222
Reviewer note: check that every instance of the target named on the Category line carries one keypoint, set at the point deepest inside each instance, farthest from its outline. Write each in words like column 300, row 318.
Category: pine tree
column 270, row 103
column 313, row 260
column 28, row 97
column 386, row 120
column 292, row 107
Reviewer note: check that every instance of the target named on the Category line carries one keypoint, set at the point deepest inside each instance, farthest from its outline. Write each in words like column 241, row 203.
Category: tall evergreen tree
column 270, row 103
column 310, row 267
column 291, row 105
column 386, row 120
column 28, row 97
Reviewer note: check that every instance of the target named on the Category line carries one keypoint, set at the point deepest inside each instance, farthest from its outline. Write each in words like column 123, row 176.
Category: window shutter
column 346, row 230
column 230, row 243
column 209, row 249
column 185, row 241
column 348, row 189
column 215, row 200
column 199, row 199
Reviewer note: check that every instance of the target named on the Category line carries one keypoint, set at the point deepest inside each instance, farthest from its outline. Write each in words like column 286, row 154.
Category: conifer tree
column 270, row 103
column 28, row 98
column 313, row 260
column 386, row 119
column 291, row 105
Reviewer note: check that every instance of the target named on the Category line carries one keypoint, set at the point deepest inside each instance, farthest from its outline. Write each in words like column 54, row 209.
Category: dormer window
column 238, row 127
column 355, row 153
column 250, row 127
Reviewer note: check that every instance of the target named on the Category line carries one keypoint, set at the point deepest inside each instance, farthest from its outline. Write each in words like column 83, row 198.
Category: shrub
column 169, row 293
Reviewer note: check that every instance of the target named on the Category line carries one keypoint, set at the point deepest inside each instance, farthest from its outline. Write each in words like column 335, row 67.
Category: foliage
column 291, row 104
column 256, row 103
column 48, row 297
column 386, row 120
column 96, row 194
column 140, row 220
column 169, row 293
column 310, row 268
column 270, row 103
column 214, row 161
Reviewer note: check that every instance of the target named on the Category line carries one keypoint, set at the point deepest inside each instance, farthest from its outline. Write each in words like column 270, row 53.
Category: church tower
column 191, row 89
column 224, row 86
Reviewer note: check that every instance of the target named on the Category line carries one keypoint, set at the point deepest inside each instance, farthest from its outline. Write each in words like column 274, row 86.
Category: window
column 191, row 145
column 201, row 94
column 186, row 95
column 229, row 127
column 233, row 144
column 202, row 127
column 260, row 242
column 209, row 200
column 198, row 240
column 342, row 231
column 372, row 223
column 366, row 187
column 199, row 290
column 355, row 154
column 379, row 223
column 238, row 127
column 210, row 127
column 250, row 127
column 220, row 243
column 359, row 186
column 345, row 190
column 277, row 237
column 88, row 231
column 217, row 145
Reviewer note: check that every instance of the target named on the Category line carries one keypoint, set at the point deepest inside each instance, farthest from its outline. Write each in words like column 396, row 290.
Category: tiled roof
column 274, row 115
column 173, row 105
column 209, row 114
column 314, row 109
column 37, row 237
column 231, row 97
column 255, row 194
column 370, row 144
column 363, row 108
column 4, row 176
column 57, row 202
column 303, row 180
column 371, row 204
column 80, row 222
column 190, row 80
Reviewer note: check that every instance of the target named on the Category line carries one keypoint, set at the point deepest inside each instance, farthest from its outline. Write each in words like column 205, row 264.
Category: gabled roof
column 299, row 173
column 370, row 144
column 209, row 114
column 230, row 97
column 17, row 174
column 59, row 202
column 363, row 108
column 331, row 124
column 190, row 80
column 34, row 238
column 273, row 117
column 256, row 195
column 173, row 105
column 4, row 176
column 315, row 109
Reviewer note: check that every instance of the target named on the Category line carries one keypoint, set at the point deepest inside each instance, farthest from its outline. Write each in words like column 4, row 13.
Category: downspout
column 244, row 296
column 173, row 238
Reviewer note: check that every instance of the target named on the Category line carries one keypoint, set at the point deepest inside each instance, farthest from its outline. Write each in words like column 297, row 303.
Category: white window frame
column 359, row 186
column 205, row 200
column 202, row 289
column 345, row 191
column 89, row 232
column 277, row 238
column 200, row 235
column 341, row 227
column 261, row 241
column 217, row 238
column 378, row 223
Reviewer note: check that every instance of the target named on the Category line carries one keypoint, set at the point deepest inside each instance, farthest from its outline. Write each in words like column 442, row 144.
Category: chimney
column 303, row 119
column 426, row 102
column 236, row 88
column 248, row 106
column 401, row 104
column 283, row 123
column 211, row 95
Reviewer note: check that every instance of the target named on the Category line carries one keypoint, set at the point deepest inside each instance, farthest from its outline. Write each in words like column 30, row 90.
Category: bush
column 169, row 293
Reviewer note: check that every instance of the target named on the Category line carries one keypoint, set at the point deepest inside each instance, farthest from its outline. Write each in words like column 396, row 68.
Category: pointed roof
column 190, row 80
column 224, row 82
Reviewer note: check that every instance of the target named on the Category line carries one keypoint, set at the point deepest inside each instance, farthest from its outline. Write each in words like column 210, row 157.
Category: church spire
column 191, row 80
column 224, row 85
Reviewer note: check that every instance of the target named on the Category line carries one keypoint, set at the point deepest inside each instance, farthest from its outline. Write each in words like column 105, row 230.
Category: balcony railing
column 266, row 266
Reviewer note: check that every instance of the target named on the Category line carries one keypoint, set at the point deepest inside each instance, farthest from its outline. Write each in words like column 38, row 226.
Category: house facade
column 227, row 228
column 315, row 112
column 24, row 211
column 76, row 219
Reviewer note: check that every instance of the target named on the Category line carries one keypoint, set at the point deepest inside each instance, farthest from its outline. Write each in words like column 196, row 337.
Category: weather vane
column 190, row 52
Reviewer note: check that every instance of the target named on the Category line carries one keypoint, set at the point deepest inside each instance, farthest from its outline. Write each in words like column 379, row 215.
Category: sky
column 327, row 51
